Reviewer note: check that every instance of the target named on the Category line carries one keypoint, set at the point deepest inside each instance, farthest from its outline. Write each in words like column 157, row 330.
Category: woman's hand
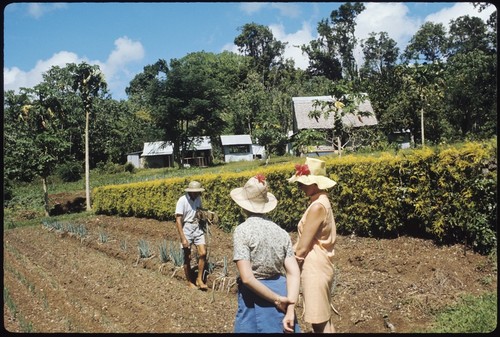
column 282, row 303
column 289, row 320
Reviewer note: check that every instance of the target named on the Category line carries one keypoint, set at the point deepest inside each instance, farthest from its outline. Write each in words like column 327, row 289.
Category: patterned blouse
column 264, row 244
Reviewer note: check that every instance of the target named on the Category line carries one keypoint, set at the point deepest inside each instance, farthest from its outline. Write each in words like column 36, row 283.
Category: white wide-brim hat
column 312, row 172
column 194, row 186
column 254, row 196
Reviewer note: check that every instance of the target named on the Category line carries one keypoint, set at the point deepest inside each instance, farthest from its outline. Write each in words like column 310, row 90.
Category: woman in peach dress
column 314, row 249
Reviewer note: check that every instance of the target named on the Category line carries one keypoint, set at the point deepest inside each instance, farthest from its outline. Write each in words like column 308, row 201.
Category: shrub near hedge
column 448, row 195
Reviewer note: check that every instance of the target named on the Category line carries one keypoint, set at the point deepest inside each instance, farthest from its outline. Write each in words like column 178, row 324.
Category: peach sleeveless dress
column 317, row 269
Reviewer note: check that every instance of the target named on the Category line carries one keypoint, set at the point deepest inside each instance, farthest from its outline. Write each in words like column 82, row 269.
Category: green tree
column 471, row 94
column 428, row 44
column 418, row 105
column 379, row 79
column 468, row 34
column 191, row 102
column 380, row 55
column 471, row 78
column 17, row 139
column 332, row 53
column 89, row 82
column 344, row 26
column 322, row 57
column 257, row 41
column 36, row 140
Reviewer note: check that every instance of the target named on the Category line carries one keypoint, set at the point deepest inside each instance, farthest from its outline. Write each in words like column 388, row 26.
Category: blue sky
column 124, row 37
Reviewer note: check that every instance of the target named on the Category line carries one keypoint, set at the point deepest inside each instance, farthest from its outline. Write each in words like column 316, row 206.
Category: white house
column 161, row 154
column 157, row 154
column 134, row 158
column 237, row 147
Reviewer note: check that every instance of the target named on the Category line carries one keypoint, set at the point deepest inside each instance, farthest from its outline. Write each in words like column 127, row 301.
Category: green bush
column 129, row 167
column 447, row 194
column 70, row 171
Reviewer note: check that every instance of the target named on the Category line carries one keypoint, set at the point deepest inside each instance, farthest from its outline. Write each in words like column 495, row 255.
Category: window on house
column 239, row 149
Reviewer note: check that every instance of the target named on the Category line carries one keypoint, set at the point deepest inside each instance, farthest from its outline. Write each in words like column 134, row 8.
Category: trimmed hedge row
column 448, row 195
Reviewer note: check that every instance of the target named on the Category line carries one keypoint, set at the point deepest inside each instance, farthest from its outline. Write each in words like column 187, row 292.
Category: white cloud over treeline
column 393, row 18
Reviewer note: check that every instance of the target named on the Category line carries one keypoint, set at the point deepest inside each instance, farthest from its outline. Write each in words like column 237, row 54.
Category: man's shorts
column 193, row 233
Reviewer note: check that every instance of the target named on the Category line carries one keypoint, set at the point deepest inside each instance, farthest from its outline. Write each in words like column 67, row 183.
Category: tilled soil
column 55, row 281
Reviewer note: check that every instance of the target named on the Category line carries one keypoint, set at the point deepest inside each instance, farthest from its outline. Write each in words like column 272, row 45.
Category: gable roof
column 236, row 140
column 160, row 148
column 303, row 105
column 200, row 143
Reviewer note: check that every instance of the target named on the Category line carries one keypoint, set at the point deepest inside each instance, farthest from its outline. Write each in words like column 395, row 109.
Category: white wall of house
column 237, row 147
column 134, row 159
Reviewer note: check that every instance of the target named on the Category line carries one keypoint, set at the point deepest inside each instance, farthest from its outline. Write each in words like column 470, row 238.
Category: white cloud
column 290, row 10
column 445, row 15
column 391, row 18
column 287, row 9
column 37, row 10
column 295, row 41
column 252, row 7
column 394, row 19
column 15, row 78
column 115, row 68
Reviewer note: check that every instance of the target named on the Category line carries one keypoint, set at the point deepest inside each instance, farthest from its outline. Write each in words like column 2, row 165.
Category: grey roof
column 160, row 148
column 236, row 140
column 200, row 143
column 303, row 105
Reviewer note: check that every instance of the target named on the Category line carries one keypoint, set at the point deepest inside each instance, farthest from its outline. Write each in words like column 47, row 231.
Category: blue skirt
column 255, row 314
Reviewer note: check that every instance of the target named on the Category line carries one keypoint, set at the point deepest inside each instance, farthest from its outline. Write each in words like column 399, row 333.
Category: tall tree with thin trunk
column 89, row 82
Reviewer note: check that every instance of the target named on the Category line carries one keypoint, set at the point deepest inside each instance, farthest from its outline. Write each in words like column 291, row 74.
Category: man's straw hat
column 194, row 186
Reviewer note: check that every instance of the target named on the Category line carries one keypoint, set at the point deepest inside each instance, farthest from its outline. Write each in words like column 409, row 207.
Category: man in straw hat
column 263, row 254
column 314, row 248
column 190, row 231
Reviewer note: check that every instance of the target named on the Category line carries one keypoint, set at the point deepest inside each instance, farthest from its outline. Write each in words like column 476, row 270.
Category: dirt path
column 56, row 282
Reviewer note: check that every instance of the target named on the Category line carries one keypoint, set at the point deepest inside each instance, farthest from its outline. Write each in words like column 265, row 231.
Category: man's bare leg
column 187, row 267
column 202, row 256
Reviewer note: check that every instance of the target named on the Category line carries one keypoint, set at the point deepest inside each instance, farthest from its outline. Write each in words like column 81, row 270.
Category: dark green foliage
column 129, row 167
column 70, row 171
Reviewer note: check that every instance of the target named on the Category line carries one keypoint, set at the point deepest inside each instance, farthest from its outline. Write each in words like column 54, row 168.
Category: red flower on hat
column 302, row 170
column 260, row 178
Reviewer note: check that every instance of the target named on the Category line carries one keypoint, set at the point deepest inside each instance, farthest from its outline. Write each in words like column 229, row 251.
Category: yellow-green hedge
column 447, row 194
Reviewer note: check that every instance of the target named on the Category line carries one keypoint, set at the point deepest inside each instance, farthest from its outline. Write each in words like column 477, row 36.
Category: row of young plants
column 447, row 194
column 167, row 252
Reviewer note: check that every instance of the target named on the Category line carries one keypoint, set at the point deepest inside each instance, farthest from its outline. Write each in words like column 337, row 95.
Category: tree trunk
column 422, row 125
column 45, row 196
column 87, row 161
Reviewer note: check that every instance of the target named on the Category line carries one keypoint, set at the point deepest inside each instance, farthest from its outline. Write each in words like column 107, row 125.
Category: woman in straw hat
column 314, row 248
column 264, row 255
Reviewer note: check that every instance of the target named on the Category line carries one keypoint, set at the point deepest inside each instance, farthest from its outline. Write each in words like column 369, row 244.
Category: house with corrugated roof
column 362, row 116
column 161, row 154
column 240, row 147
column 198, row 152
column 157, row 154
